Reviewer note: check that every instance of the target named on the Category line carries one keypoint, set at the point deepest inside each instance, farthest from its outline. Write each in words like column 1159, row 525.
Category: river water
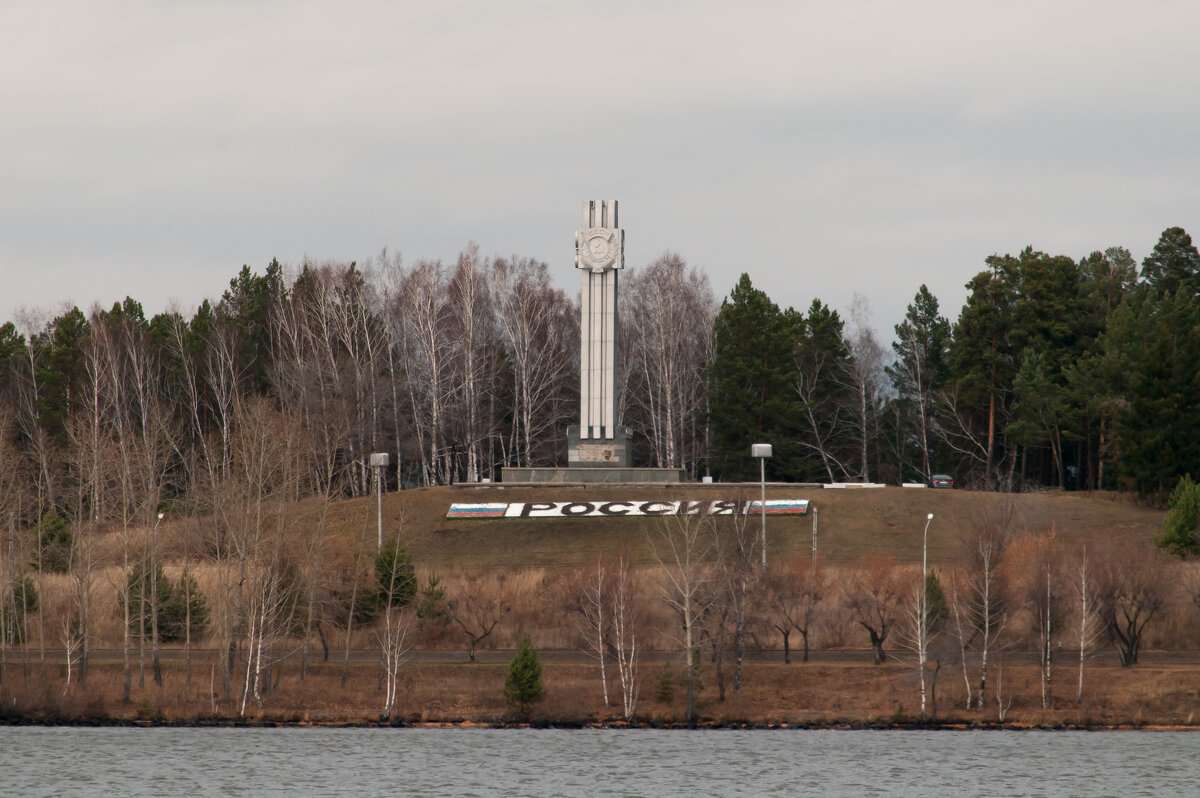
column 36, row 761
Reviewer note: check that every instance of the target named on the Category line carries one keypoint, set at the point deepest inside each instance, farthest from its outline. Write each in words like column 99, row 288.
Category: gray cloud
column 153, row 148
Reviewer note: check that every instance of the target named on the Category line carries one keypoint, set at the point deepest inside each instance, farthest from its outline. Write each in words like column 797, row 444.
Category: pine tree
column 395, row 574
column 920, row 370
column 1182, row 523
column 523, row 687
column 752, row 393
column 1173, row 266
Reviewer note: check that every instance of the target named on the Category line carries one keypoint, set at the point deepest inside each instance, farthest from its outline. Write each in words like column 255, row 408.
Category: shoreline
column 570, row 725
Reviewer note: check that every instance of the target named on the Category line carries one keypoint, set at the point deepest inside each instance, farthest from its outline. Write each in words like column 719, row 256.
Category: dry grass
column 534, row 567
column 775, row 694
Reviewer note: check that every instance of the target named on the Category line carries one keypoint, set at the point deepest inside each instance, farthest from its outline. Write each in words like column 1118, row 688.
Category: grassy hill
column 850, row 522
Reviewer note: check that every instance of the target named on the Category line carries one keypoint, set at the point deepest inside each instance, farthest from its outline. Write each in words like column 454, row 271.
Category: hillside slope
column 850, row 522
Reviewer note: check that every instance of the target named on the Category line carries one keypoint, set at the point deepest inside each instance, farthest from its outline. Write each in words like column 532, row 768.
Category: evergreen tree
column 250, row 305
column 395, row 574
column 60, row 367
column 523, row 686
column 821, row 359
column 752, row 385
column 1158, row 430
column 1173, row 266
column 55, row 542
column 173, row 601
column 1182, row 524
column 982, row 366
column 1039, row 410
column 920, row 370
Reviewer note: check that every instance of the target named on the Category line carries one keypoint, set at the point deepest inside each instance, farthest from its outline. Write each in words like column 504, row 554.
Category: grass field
column 850, row 522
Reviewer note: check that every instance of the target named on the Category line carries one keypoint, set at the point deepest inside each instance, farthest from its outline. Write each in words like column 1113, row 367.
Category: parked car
column 942, row 481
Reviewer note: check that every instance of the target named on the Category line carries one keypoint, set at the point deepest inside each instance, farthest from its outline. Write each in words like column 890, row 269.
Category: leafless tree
column 539, row 331
column 863, row 380
column 819, row 372
column 682, row 546
column 592, row 606
column 420, row 305
column 792, row 595
column 736, row 547
column 666, row 320
column 40, row 447
column 473, row 336
column 1083, row 582
column 980, row 600
column 1130, row 591
column 394, row 627
column 877, row 593
column 1040, row 589
column 479, row 607
column 626, row 617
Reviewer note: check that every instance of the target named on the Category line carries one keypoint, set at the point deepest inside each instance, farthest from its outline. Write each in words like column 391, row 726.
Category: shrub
column 173, row 600
column 664, row 688
column 54, row 544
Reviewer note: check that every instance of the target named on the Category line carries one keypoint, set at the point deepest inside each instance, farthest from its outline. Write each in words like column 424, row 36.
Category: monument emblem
column 598, row 248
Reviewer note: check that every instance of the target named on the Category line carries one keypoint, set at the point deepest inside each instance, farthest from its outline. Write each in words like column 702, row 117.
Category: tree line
column 1071, row 374
column 1056, row 373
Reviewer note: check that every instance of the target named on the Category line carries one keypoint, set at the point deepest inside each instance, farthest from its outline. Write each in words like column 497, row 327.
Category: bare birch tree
column 592, row 607
column 539, row 332
column 626, row 617
column 1039, row 586
column 1083, row 582
column 863, row 381
column 682, row 546
column 423, row 311
column 982, row 594
column 666, row 320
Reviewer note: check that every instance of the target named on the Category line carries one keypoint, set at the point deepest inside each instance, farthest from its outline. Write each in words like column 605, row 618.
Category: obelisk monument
column 600, row 256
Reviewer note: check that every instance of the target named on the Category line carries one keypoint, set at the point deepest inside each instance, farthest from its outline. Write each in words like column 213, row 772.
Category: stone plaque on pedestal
column 612, row 452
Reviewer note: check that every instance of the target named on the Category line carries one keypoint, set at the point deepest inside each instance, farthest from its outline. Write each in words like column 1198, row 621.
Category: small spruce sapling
column 523, row 686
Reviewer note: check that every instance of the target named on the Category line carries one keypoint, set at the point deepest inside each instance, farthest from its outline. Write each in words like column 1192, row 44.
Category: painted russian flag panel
column 779, row 507
column 490, row 510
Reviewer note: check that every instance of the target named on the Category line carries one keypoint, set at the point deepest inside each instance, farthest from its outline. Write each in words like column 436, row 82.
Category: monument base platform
column 592, row 475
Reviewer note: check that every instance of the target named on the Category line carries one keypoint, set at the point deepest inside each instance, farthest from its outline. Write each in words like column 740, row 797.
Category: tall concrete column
column 600, row 255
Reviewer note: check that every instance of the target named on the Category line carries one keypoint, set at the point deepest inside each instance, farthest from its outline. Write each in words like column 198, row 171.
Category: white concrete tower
column 600, row 255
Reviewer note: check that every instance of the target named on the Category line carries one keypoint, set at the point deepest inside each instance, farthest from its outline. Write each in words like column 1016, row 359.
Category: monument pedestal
column 596, row 461
column 598, row 452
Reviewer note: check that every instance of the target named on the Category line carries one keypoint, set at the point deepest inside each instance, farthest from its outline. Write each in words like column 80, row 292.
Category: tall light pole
column 379, row 461
column 762, row 451
column 154, row 599
column 923, row 610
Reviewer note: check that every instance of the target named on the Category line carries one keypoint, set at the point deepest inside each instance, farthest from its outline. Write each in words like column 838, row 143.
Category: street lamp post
column 379, row 461
column 762, row 451
column 923, row 609
column 154, row 599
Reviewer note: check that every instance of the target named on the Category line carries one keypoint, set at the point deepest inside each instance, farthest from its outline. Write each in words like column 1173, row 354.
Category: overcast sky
column 152, row 148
